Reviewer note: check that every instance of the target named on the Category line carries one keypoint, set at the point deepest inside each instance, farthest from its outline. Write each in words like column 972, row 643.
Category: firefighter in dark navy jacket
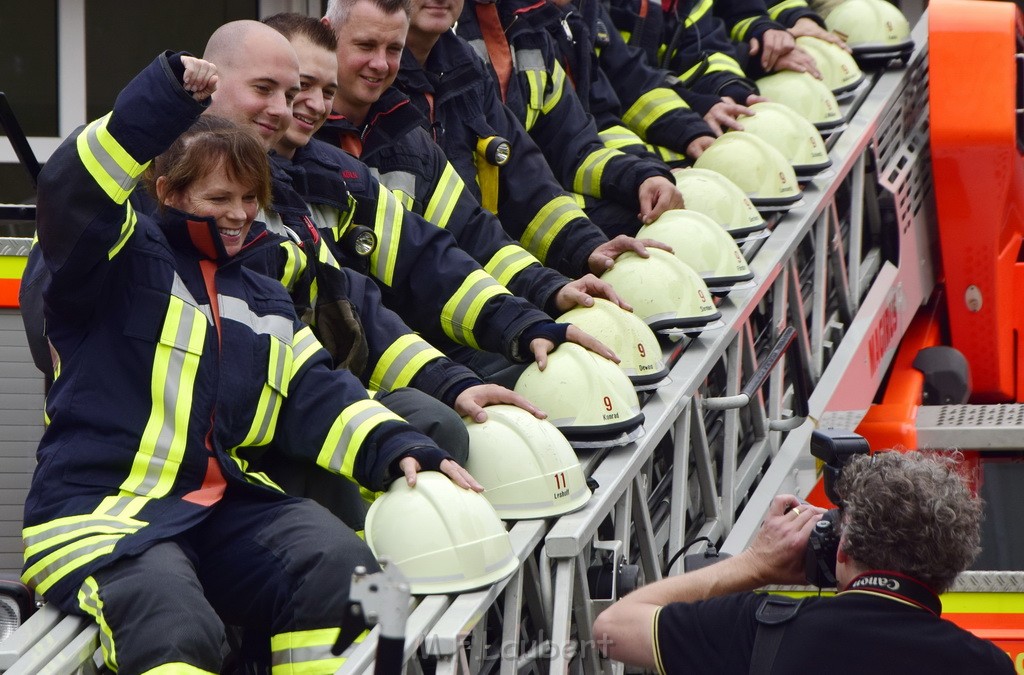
column 174, row 361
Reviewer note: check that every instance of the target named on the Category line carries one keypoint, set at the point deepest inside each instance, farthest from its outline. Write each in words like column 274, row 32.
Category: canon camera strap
column 898, row 587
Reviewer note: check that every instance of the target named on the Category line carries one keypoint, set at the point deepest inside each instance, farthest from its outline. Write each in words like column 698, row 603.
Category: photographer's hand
column 777, row 552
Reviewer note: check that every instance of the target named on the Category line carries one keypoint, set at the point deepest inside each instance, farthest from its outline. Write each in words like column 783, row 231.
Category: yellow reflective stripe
column 588, row 176
column 388, row 226
column 666, row 154
column 739, row 31
column 698, row 11
column 405, row 199
column 122, row 507
column 306, row 652
column 350, row 429
column 175, row 365
column 445, row 196
column 547, row 223
column 649, row 108
column 127, row 228
column 304, row 346
column 401, row 361
column 110, row 165
column 62, row 561
column 177, row 668
column 557, row 88
column 619, row 137
column 90, row 602
column 509, row 261
column 535, row 80
column 459, row 315
column 275, row 389
column 775, row 10
column 721, row 63
column 294, row 264
column 39, row 538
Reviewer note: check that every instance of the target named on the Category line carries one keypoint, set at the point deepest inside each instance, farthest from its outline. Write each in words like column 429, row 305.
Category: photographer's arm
column 625, row 631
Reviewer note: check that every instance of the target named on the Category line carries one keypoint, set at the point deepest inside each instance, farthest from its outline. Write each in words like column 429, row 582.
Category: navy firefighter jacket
column 173, row 360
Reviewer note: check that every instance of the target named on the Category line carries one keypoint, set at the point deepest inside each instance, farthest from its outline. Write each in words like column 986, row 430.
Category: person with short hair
column 175, row 362
column 909, row 525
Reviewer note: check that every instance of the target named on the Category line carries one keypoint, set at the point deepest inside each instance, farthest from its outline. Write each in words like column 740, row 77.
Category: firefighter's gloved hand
column 436, row 459
column 200, row 78
column 473, row 401
column 581, row 293
column 603, row 257
column 657, row 195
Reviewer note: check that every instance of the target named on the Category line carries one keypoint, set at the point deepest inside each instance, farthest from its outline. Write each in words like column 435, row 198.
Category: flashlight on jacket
column 359, row 240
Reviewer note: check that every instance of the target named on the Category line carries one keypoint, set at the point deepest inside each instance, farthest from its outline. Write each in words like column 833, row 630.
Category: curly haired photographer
column 909, row 525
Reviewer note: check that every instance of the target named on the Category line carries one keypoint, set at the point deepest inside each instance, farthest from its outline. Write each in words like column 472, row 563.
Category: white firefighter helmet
column 702, row 244
column 875, row 30
column 717, row 197
column 527, row 467
column 839, row 70
column 805, row 94
column 664, row 291
column 626, row 334
column 788, row 132
column 760, row 170
column 443, row 538
column 585, row 395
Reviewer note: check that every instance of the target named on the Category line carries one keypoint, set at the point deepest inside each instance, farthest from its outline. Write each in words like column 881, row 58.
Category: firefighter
column 174, row 362
column 632, row 105
column 687, row 39
column 529, row 79
column 378, row 126
column 432, row 284
column 405, row 156
column 468, row 121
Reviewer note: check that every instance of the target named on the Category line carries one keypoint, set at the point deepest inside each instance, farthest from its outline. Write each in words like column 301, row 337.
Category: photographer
column 909, row 526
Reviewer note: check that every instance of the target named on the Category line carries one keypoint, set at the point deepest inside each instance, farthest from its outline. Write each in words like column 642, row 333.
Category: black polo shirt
column 852, row 633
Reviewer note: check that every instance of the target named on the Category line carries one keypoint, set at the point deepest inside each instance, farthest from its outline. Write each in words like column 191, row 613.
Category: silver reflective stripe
column 396, row 367
column 517, row 259
column 80, row 524
column 402, row 181
column 480, row 47
column 122, row 178
column 460, row 317
column 529, row 59
column 179, row 290
column 236, row 309
column 302, row 655
column 338, row 456
column 82, row 548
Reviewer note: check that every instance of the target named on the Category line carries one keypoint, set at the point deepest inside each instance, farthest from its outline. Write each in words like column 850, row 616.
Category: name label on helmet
column 611, row 416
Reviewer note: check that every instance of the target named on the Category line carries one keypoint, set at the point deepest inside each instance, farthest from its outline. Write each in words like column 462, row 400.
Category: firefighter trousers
column 277, row 566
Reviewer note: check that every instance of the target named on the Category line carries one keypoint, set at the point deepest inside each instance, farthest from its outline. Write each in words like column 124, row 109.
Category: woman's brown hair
column 207, row 143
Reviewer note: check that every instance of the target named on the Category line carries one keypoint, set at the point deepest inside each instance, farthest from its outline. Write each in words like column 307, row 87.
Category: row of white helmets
column 446, row 539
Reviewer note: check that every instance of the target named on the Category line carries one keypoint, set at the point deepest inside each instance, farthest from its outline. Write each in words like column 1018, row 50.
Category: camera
column 834, row 447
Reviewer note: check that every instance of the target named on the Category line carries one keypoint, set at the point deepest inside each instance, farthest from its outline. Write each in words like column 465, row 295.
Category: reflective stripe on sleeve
column 110, row 165
column 401, row 361
column 509, row 261
column 650, row 107
column 444, row 197
column 459, row 315
column 546, row 225
column 349, row 431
